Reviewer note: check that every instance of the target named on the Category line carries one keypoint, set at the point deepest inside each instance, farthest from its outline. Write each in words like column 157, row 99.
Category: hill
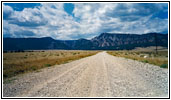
column 104, row 41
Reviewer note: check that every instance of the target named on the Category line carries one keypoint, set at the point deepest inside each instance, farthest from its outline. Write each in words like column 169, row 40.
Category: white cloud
column 90, row 19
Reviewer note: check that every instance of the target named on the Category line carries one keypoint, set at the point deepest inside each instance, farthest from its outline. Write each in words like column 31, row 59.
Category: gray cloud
column 7, row 12
column 24, row 33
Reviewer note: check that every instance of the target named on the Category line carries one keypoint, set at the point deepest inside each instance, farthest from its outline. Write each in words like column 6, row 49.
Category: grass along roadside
column 159, row 59
column 23, row 62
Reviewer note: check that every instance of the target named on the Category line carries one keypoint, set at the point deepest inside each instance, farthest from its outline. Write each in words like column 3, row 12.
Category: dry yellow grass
column 22, row 62
column 159, row 59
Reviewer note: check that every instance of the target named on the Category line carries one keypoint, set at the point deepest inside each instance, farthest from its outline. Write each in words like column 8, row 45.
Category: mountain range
column 105, row 41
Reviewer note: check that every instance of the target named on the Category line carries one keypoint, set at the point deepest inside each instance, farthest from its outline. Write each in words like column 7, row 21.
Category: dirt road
column 101, row 75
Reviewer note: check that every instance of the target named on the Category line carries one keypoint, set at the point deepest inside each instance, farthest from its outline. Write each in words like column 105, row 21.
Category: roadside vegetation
column 151, row 57
column 15, row 63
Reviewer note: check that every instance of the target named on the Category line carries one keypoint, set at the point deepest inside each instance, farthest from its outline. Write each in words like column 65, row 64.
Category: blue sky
column 82, row 20
column 69, row 7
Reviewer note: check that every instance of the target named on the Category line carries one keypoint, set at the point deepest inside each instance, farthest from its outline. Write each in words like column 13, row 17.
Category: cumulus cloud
column 28, row 18
column 88, row 20
column 123, row 17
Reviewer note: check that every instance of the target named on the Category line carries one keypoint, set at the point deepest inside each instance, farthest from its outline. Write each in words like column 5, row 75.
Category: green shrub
column 134, row 59
column 141, row 55
column 164, row 66
column 146, row 61
column 33, row 68
column 47, row 65
column 74, row 53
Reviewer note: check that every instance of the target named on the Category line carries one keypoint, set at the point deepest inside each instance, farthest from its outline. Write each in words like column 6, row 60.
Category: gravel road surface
column 100, row 75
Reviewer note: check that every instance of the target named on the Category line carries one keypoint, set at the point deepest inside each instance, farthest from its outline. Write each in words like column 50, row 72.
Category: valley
column 100, row 75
